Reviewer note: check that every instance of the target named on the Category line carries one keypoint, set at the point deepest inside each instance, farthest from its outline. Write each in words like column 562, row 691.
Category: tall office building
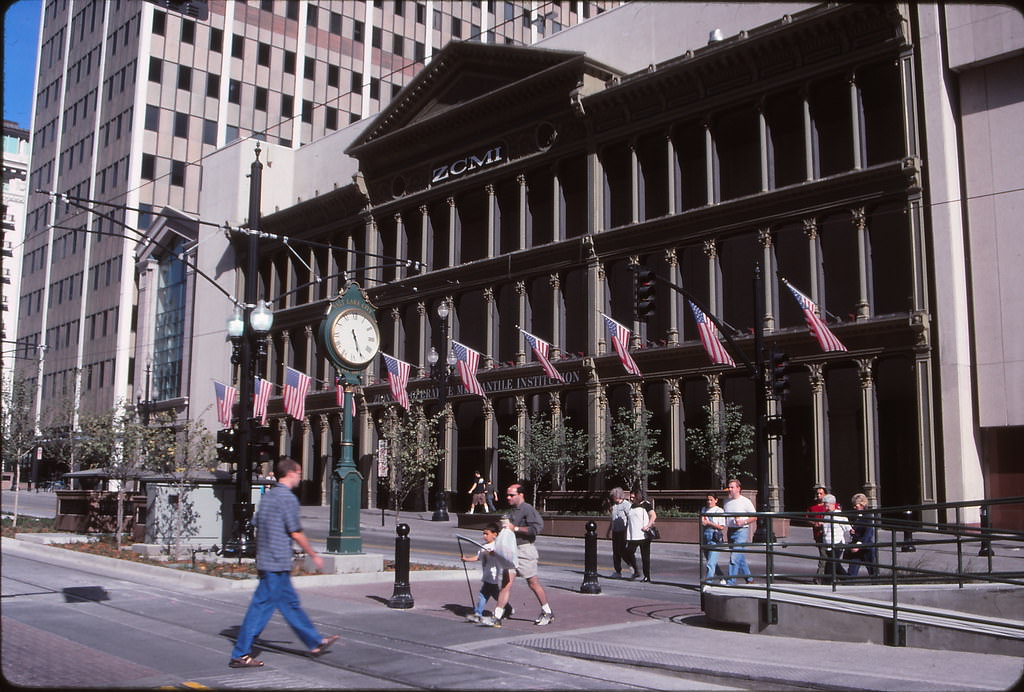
column 15, row 195
column 131, row 97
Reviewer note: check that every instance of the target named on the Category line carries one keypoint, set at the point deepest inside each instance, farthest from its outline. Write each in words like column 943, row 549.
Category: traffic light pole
column 242, row 543
column 757, row 372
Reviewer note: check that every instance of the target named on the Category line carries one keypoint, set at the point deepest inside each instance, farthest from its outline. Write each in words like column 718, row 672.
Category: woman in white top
column 640, row 518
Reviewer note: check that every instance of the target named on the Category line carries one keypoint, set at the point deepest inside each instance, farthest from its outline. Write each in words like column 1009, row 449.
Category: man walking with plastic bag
column 524, row 523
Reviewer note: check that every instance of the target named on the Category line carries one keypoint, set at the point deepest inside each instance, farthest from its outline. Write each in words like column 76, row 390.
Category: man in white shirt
column 739, row 530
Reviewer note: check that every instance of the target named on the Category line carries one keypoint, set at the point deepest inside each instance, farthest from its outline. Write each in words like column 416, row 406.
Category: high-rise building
column 132, row 96
column 15, row 195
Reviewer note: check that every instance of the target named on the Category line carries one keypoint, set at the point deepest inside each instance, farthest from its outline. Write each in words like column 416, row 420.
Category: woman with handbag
column 640, row 530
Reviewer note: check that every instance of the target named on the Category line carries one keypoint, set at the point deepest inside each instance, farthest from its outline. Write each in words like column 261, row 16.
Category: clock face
column 355, row 337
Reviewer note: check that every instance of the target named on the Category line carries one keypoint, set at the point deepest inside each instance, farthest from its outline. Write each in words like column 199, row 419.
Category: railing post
column 986, row 541
column 897, row 633
column 770, row 610
column 908, row 535
column 402, row 595
column 959, row 549
column 590, row 583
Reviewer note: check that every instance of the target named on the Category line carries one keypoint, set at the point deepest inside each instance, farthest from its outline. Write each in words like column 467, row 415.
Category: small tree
column 631, row 454
column 18, row 428
column 723, row 443
column 413, row 450
column 551, row 451
column 118, row 441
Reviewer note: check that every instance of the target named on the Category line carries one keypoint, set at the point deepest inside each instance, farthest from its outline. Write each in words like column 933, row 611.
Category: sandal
column 325, row 644
column 246, row 661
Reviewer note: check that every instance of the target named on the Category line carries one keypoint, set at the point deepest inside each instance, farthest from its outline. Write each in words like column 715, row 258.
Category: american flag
column 709, row 337
column 260, row 398
column 296, row 386
column 542, row 348
column 226, row 395
column 620, row 340
column 398, row 378
column 468, row 362
column 826, row 339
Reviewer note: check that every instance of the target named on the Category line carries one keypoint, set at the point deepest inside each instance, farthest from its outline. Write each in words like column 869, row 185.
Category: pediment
column 462, row 72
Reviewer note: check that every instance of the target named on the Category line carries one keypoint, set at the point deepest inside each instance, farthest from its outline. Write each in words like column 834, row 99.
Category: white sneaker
column 544, row 619
column 473, row 617
column 489, row 621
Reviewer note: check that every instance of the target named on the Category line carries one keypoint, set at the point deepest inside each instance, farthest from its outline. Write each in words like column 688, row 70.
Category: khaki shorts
column 527, row 554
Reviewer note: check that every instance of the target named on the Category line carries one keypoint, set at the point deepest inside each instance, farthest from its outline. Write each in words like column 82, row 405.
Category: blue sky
column 21, row 34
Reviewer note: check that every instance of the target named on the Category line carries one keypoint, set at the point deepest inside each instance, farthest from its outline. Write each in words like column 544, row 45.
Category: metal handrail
column 930, row 536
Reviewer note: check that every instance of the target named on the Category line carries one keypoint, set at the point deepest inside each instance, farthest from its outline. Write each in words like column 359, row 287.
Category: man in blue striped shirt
column 277, row 525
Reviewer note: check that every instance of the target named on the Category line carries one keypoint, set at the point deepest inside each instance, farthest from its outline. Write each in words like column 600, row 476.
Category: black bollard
column 590, row 584
column 908, row 535
column 986, row 527
column 402, row 596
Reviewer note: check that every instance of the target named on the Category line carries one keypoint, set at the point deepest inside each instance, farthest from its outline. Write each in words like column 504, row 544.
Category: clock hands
column 356, row 340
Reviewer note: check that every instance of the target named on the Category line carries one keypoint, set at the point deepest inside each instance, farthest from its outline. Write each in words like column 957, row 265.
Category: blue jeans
column 275, row 592
column 487, row 591
column 737, row 560
column 712, row 554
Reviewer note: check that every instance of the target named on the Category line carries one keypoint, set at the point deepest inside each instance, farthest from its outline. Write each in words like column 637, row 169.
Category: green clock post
column 350, row 339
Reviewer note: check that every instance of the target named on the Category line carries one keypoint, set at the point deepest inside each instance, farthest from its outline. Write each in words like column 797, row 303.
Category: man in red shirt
column 814, row 513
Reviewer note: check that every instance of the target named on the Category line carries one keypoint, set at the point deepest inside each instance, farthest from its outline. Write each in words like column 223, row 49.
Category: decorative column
column 426, row 246
column 524, row 210
column 595, row 187
column 558, row 328
column 521, row 307
column 857, row 129
column 448, row 435
column 819, row 420
column 492, row 228
column 324, row 463
column 869, row 437
column 424, row 343
column 709, row 164
column 676, row 430
column 927, row 477
column 764, row 238
column 634, row 184
column 674, row 328
column 522, row 418
column 557, row 212
column 453, row 234
column 306, row 445
column 286, row 348
column 711, row 252
column 597, row 414
column 809, row 153
column 401, row 247
column 490, row 442
column 863, row 272
column 811, row 231
column 671, row 179
column 762, row 128
column 372, row 246
column 489, row 330
column 396, row 329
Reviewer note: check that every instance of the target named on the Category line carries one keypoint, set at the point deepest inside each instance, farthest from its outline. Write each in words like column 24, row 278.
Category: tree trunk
column 120, row 515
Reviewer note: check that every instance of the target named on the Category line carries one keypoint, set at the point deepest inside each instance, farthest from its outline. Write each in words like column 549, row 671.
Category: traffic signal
column 227, row 446
column 645, row 305
column 779, row 380
column 262, row 446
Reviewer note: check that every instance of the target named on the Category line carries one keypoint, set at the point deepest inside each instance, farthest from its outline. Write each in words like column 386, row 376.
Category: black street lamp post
column 440, row 372
column 247, row 328
column 145, row 406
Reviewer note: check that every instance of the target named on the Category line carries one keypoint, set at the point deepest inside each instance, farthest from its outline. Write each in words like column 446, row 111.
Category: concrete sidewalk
column 642, row 630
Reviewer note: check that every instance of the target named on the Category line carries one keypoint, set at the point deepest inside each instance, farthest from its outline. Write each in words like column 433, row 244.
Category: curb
column 147, row 573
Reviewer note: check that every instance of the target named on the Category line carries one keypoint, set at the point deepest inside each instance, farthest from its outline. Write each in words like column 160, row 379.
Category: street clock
column 349, row 333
